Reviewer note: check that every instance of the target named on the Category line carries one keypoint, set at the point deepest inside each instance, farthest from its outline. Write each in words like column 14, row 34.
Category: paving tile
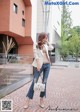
column 63, row 93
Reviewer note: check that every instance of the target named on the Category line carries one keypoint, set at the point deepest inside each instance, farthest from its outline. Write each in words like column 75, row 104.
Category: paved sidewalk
column 63, row 93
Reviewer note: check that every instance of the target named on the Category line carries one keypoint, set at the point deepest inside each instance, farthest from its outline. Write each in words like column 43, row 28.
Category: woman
column 40, row 64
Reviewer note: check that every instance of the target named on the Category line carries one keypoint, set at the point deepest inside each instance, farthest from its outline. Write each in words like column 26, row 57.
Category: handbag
column 39, row 87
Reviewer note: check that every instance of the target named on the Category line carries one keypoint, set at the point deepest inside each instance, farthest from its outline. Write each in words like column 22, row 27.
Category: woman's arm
column 50, row 46
column 35, row 51
column 36, row 57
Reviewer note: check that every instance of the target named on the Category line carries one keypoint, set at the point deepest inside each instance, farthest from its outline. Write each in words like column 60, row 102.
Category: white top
column 38, row 54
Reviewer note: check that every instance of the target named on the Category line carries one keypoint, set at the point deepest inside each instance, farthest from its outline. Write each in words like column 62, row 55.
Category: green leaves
column 66, row 21
column 64, row 48
column 75, row 44
column 70, row 46
column 70, row 37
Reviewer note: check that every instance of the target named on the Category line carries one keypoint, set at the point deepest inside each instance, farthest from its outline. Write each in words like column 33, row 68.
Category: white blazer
column 38, row 54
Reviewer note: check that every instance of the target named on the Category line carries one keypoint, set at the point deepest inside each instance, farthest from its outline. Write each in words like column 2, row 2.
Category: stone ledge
column 7, row 90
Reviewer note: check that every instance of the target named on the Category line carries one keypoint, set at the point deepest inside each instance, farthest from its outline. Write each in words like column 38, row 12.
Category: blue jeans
column 45, row 69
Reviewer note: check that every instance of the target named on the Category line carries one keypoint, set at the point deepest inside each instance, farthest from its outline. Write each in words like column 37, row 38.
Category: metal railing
column 14, row 67
column 15, row 58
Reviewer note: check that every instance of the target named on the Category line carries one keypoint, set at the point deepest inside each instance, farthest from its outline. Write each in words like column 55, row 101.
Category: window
column 23, row 22
column 15, row 8
column 55, row 28
column 58, row 23
column 22, row 12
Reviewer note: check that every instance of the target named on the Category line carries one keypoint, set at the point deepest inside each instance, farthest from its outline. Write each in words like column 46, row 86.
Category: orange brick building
column 15, row 22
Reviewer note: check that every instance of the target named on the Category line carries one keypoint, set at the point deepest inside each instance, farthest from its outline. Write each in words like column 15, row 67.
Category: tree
column 63, row 48
column 8, row 45
column 77, row 29
column 74, row 44
column 66, row 23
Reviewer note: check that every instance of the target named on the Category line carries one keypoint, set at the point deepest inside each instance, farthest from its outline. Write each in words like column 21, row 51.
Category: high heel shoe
column 42, row 106
column 41, row 103
column 26, row 104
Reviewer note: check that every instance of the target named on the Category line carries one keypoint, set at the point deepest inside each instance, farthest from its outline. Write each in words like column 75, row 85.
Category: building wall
column 40, row 17
column 25, row 50
column 54, row 24
column 4, row 15
column 28, row 17
column 27, row 54
column 11, row 23
column 48, row 20
column 16, row 19
column 34, row 20
column 57, row 19
column 54, row 28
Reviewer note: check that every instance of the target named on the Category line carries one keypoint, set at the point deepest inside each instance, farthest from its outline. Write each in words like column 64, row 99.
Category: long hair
column 40, row 39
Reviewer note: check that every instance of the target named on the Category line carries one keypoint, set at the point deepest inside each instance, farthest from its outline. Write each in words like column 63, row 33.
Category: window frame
column 23, row 22
column 15, row 8
column 22, row 12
